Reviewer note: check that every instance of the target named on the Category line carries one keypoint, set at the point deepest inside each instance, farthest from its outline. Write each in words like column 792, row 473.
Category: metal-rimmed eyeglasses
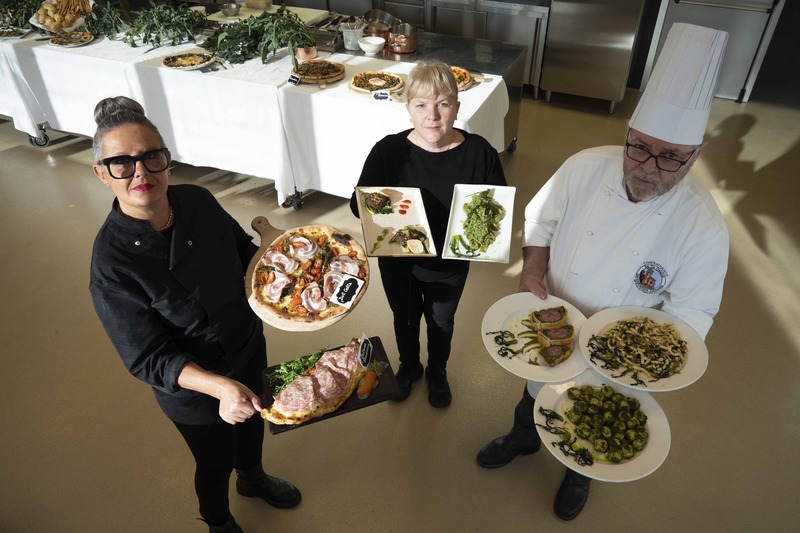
column 121, row 167
column 665, row 163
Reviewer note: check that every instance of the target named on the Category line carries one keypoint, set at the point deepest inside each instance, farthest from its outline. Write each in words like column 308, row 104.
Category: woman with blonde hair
column 432, row 156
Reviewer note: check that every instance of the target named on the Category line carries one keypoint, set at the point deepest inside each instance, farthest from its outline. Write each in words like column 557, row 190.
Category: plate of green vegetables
column 479, row 228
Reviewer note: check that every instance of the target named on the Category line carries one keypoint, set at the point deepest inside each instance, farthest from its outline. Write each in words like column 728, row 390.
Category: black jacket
column 169, row 298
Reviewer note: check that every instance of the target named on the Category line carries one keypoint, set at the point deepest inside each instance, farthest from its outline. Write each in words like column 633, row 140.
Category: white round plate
column 507, row 314
column 696, row 356
column 644, row 463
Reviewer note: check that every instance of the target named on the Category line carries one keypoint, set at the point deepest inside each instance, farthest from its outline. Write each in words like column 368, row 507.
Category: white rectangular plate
column 378, row 229
column 498, row 251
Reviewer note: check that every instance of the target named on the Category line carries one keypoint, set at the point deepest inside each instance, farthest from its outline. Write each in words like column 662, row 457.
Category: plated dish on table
column 369, row 82
column 394, row 222
column 644, row 348
column 13, row 33
column 57, row 16
column 463, row 78
column 309, row 278
column 188, row 60
column 640, row 448
column 479, row 228
column 71, row 39
column 512, row 338
column 319, row 71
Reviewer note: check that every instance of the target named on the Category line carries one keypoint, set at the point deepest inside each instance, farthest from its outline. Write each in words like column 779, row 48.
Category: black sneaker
column 405, row 378
column 438, row 388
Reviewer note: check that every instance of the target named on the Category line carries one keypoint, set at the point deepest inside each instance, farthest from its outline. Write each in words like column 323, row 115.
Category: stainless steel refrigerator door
column 749, row 24
column 589, row 47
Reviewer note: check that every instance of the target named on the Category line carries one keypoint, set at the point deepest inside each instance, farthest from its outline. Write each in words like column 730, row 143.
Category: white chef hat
column 677, row 100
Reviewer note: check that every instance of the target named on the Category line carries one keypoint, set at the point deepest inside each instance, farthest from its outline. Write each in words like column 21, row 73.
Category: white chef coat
column 605, row 248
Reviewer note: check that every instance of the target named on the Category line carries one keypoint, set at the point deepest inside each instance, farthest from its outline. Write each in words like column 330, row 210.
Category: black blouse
column 396, row 161
column 167, row 298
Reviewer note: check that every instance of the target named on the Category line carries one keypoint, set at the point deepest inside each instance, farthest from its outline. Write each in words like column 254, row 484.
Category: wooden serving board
column 322, row 83
column 387, row 389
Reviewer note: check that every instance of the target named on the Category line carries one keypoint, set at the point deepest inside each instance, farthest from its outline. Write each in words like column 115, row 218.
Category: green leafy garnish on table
column 106, row 19
column 164, row 24
column 17, row 13
column 287, row 372
column 260, row 36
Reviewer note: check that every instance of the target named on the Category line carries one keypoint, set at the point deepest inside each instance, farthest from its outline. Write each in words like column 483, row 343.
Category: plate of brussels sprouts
column 605, row 433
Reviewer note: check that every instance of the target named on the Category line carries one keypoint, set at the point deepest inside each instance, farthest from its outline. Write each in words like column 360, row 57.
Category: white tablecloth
column 245, row 118
column 331, row 131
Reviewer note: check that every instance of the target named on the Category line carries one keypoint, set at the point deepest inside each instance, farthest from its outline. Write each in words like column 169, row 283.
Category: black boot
column 255, row 483
column 405, row 377
column 230, row 526
column 439, row 394
column 572, row 495
column 521, row 440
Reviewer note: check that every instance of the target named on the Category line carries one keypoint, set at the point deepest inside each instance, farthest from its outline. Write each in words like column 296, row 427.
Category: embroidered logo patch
column 651, row 277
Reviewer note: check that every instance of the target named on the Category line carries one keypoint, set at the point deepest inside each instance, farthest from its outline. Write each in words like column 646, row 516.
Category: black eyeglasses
column 121, row 167
column 665, row 163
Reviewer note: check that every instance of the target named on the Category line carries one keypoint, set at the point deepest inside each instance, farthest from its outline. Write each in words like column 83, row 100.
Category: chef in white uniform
column 629, row 225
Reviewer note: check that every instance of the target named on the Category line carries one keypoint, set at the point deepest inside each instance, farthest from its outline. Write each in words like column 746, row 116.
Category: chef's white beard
column 655, row 186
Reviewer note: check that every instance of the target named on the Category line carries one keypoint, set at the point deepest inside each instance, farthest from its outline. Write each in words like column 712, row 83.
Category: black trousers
column 217, row 450
column 220, row 447
column 523, row 433
column 410, row 299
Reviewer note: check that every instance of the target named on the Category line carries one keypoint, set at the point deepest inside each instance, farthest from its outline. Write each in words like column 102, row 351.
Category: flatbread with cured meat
column 463, row 77
column 368, row 82
column 296, row 277
column 320, row 390
column 319, row 70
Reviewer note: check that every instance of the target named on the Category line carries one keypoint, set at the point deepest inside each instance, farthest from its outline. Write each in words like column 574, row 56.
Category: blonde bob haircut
column 429, row 78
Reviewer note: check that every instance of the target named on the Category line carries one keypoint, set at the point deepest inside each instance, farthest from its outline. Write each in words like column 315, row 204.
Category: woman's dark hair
column 112, row 113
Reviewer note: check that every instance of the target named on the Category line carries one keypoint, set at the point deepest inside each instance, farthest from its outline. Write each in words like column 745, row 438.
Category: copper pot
column 402, row 38
column 378, row 23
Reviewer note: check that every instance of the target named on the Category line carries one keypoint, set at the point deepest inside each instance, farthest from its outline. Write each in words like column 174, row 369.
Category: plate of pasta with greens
column 643, row 348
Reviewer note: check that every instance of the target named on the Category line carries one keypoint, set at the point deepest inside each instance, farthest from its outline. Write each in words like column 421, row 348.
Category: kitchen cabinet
column 350, row 7
column 516, row 23
column 411, row 11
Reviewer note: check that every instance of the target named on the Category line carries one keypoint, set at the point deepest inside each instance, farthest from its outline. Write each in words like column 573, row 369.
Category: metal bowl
column 229, row 10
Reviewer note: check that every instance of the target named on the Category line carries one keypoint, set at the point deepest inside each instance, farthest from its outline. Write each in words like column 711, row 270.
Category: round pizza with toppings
column 463, row 77
column 319, row 69
column 71, row 38
column 310, row 276
column 188, row 61
column 368, row 82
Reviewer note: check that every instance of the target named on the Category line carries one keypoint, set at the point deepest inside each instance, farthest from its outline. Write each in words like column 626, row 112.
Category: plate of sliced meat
column 534, row 338
column 327, row 388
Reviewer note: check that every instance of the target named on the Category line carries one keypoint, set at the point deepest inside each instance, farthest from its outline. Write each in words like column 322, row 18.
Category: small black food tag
column 365, row 351
column 345, row 294
column 294, row 79
column 380, row 95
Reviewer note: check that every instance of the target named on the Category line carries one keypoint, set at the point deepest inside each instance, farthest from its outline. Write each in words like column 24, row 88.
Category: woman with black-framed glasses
column 167, row 282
